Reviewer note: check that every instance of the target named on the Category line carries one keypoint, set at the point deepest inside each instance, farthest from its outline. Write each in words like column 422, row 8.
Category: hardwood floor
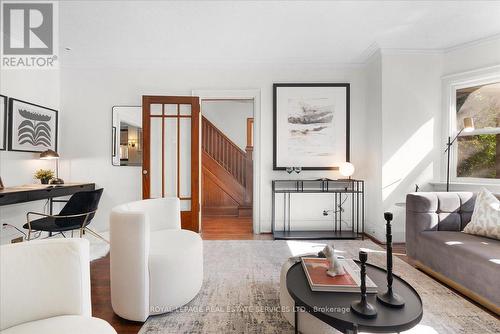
column 230, row 228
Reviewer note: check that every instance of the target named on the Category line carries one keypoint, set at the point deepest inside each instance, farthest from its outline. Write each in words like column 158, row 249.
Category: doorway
column 171, row 153
column 227, row 145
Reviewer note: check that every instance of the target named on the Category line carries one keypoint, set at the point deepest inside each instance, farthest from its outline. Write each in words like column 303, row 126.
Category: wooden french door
column 171, row 153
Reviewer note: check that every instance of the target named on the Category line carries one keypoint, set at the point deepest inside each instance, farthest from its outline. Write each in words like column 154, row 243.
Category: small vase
column 44, row 181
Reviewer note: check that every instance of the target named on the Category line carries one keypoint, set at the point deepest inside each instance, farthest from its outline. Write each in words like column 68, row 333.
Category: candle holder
column 362, row 307
column 389, row 298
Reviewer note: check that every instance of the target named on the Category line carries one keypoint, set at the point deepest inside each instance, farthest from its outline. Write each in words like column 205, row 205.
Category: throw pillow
column 485, row 219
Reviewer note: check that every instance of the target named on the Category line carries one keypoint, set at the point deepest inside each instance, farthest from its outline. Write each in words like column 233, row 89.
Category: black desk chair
column 75, row 215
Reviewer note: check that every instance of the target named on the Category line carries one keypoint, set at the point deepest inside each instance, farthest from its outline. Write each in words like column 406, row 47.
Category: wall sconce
column 132, row 142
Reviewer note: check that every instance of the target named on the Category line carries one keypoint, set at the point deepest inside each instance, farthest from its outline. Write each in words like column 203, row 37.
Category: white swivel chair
column 45, row 289
column 156, row 266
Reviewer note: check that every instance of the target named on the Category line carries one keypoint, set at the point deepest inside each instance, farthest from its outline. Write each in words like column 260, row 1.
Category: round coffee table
column 333, row 308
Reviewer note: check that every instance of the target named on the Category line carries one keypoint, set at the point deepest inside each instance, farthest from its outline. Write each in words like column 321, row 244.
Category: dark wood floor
column 225, row 228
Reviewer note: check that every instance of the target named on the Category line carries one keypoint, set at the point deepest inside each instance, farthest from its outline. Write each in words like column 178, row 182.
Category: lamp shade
column 468, row 124
column 346, row 169
column 49, row 155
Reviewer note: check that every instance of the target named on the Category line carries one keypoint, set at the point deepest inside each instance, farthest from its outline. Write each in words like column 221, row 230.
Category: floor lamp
column 468, row 127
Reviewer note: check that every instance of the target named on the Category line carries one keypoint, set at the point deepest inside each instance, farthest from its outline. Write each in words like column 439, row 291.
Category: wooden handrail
column 225, row 152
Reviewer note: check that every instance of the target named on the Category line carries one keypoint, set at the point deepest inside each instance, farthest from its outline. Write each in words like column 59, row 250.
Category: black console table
column 348, row 207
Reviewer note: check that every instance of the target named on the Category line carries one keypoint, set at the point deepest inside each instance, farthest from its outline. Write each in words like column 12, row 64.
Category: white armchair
column 45, row 288
column 156, row 266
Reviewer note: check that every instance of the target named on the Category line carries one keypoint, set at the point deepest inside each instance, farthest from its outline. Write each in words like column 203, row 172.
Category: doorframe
column 245, row 94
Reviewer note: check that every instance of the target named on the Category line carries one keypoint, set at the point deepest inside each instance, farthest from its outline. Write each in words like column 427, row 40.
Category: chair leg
column 96, row 234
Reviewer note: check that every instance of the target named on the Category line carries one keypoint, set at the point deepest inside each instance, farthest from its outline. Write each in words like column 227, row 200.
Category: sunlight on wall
column 407, row 157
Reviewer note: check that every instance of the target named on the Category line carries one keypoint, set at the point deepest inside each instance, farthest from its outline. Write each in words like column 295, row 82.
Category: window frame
column 451, row 84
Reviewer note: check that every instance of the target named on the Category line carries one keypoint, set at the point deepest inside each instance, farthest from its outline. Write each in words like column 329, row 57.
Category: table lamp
column 468, row 127
column 52, row 155
column 346, row 169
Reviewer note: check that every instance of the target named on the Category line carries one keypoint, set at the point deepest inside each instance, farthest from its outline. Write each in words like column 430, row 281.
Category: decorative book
column 315, row 270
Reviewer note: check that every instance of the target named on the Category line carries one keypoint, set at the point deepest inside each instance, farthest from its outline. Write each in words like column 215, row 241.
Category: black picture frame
column 11, row 130
column 276, row 86
column 3, row 102
column 113, row 142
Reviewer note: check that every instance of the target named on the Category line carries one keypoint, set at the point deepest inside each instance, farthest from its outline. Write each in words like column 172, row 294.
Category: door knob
column 145, row 172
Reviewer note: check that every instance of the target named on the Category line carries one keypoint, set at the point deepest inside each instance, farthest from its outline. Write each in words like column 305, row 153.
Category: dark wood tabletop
column 334, row 307
column 35, row 192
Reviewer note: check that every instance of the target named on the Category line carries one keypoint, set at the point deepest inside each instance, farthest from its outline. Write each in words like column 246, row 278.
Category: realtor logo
column 28, row 39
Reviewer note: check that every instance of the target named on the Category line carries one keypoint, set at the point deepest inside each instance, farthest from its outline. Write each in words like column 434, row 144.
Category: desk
column 36, row 192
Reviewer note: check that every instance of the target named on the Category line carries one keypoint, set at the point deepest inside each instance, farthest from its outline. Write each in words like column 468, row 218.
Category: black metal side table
column 334, row 308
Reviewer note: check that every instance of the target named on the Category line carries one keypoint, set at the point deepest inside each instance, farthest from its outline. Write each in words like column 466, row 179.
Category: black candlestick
column 362, row 307
column 389, row 298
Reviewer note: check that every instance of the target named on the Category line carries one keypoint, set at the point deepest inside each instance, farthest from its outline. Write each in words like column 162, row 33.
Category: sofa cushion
column 452, row 211
column 486, row 217
column 63, row 325
column 471, row 261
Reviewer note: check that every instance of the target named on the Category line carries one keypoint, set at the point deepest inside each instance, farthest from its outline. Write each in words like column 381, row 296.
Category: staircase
column 227, row 175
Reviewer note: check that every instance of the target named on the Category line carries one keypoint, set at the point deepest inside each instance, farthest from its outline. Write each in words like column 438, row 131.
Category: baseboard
column 377, row 241
column 460, row 288
column 228, row 211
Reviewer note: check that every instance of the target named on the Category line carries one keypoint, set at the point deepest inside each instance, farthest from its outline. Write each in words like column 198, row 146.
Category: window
column 478, row 152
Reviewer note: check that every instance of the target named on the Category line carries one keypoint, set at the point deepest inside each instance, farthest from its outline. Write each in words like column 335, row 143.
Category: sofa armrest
column 42, row 279
column 421, row 216
column 129, row 253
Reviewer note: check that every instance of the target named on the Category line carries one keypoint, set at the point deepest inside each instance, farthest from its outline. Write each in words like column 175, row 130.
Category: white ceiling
column 266, row 31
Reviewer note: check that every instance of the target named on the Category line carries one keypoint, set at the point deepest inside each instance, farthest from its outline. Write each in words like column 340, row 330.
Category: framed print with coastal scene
column 311, row 125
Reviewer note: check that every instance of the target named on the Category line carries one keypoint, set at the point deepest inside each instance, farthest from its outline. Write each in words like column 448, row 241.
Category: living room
column 360, row 108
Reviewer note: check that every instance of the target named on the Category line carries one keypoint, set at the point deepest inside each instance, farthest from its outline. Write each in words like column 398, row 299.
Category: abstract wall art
column 311, row 125
column 33, row 128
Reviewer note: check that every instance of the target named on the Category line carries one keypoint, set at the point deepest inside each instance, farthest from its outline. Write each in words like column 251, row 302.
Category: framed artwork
column 32, row 128
column 3, row 122
column 311, row 125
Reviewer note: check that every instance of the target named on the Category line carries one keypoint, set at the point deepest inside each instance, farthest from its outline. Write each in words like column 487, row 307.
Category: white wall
column 411, row 115
column 17, row 168
column 374, row 209
column 230, row 117
column 84, row 93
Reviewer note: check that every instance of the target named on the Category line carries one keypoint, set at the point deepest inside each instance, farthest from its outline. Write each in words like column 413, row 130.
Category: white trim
column 450, row 83
column 472, row 43
column 253, row 94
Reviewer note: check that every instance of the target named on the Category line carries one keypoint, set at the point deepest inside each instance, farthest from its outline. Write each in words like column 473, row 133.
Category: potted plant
column 44, row 175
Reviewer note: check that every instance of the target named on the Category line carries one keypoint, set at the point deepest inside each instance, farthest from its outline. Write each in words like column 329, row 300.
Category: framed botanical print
column 32, row 128
column 311, row 125
column 3, row 122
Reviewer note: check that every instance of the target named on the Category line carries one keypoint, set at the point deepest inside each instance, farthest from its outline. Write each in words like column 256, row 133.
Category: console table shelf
column 348, row 208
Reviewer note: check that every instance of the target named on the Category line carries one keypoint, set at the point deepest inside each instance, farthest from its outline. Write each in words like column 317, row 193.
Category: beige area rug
column 240, row 293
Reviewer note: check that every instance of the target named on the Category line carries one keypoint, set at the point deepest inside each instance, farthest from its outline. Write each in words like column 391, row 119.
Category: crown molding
column 375, row 48
column 476, row 42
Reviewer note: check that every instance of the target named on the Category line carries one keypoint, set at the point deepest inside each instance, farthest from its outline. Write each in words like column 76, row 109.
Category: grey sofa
column 468, row 263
